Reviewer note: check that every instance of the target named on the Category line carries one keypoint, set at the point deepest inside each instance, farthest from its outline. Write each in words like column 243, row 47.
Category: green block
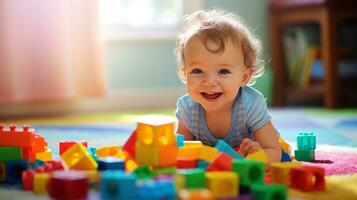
column 10, row 153
column 194, row 178
column 305, row 155
column 249, row 171
column 269, row 192
column 166, row 170
column 306, row 141
column 143, row 172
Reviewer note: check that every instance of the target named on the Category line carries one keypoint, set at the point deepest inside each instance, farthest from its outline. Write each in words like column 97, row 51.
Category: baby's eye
column 196, row 71
column 224, row 71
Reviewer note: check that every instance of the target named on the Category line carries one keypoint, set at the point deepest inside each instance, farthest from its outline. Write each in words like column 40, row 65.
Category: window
column 143, row 19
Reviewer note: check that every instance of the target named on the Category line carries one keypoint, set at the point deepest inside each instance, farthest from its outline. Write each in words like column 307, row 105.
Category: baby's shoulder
column 186, row 101
column 249, row 95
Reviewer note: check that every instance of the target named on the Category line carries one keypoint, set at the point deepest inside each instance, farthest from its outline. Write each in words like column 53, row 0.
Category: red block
column 68, row 185
column 308, row 178
column 17, row 137
column 186, row 163
column 129, row 145
column 27, row 179
column 53, row 165
column 64, row 145
column 223, row 162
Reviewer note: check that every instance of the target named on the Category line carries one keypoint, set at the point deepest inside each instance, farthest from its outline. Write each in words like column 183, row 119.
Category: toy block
column 194, row 178
column 93, row 152
column 2, row 171
column 306, row 141
column 17, row 137
column 280, row 172
column 37, row 163
column 39, row 144
column 111, row 163
column 223, row 184
column 68, row 185
column 308, row 178
column 194, row 194
column 156, row 156
column 40, row 181
column 64, row 145
column 14, row 169
column 10, row 153
column 250, row 171
column 189, row 151
column 44, row 156
column 157, row 190
column 222, row 162
column 259, row 155
column 118, row 185
column 156, row 135
column 53, row 165
column 143, row 172
column 208, row 153
column 92, row 175
column 180, row 181
column 130, row 165
column 107, row 151
column 77, row 157
column 193, row 143
column 305, row 155
column 202, row 164
column 222, row 146
column 185, row 163
column 129, row 145
column 167, row 156
column 27, row 179
column 285, row 146
column 160, row 177
column 164, row 171
column 180, row 140
column 269, row 192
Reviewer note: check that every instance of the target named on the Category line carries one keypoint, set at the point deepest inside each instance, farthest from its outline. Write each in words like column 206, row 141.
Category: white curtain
column 50, row 50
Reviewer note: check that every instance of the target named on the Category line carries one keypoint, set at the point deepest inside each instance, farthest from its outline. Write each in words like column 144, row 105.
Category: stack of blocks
column 155, row 163
column 306, row 144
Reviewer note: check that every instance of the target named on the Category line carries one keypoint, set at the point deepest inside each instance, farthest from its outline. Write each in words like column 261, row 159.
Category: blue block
column 157, row 190
column 118, row 185
column 222, row 146
column 110, row 163
column 202, row 164
column 179, row 140
column 14, row 169
column 306, row 141
column 37, row 163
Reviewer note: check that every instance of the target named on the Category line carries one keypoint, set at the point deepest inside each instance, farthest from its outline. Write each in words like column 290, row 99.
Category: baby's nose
column 210, row 80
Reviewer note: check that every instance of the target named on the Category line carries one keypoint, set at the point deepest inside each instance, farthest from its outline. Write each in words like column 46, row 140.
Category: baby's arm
column 182, row 129
column 266, row 138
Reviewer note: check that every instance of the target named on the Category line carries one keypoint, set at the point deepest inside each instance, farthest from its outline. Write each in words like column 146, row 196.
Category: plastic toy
column 259, row 155
column 207, row 153
column 194, row 178
column 269, row 192
column 110, row 163
column 157, row 190
column 179, row 140
column 40, row 183
column 14, row 169
column 250, row 172
column 280, row 172
column 308, row 178
column 223, row 184
column 222, row 146
column 64, row 145
column 222, row 162
column 202, row 194
column 10, row 153
column 118, row 185
column 77, row 157
column 185, row 163
column 191, row 151
column 305, row 155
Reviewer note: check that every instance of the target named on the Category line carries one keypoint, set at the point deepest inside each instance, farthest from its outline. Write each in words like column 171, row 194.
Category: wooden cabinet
column 328, row 14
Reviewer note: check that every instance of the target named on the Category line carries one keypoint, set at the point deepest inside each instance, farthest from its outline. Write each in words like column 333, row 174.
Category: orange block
column 17, row 137
column 193, row 194
column 189, row 151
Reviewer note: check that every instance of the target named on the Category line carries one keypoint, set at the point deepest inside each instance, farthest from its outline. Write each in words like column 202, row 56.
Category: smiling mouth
column 211, row 95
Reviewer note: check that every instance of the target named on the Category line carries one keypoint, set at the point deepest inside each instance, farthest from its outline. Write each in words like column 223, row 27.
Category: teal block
column 305, row 155
column 306, row 141
column 222, row 146
column 93, row 152
column 10, row 153
column 179, row 140
column 249, row 171
column 202, row 164
column 118, row 185
column 269, row 192
column 195, row 178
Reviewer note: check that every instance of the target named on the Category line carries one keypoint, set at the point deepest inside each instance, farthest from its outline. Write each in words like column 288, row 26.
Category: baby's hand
column 248, row 146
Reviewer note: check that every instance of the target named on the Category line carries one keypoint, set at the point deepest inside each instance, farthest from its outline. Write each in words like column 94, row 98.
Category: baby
column 218, row 58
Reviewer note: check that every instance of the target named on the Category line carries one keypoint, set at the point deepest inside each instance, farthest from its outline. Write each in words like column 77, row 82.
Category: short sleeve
column 257, row 113
column 183, row 111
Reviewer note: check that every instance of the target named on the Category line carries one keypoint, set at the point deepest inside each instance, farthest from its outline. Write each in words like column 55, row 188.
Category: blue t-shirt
column 249, row 114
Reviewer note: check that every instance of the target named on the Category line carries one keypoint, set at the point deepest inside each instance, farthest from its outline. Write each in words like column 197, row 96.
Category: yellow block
column 44, row 156
column 157, row 156
column 77, row 157
column 223, row 184
column 194, row 194
column 259, row 155
column 189, row 151
column 208, row 153
column 285, row 146
column 156, row 134
column 93, row 176
column 107, row 151
column 130, row 165
column 180, row 181
column 40, row 183
column 192, row 143
column 280, row 172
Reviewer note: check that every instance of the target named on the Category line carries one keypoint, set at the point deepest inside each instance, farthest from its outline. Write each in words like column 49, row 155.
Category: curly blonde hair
column 219, row 26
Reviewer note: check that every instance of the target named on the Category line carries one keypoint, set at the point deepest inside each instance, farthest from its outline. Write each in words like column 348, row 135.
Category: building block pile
column 155, row 163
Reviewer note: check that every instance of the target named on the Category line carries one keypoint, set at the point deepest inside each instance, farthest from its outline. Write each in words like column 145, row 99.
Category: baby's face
column 213, row 79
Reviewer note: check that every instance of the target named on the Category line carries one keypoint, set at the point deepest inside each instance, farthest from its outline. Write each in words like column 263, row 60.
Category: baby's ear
column 247, row 75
